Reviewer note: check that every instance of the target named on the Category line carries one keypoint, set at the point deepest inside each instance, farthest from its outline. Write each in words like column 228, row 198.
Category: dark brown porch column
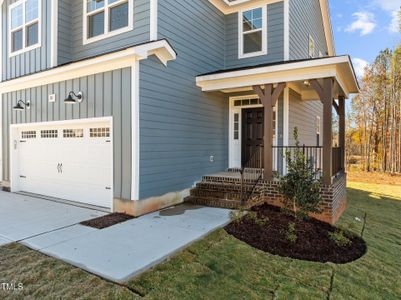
column 269, row 99
column 325, row 93
column 341, row 115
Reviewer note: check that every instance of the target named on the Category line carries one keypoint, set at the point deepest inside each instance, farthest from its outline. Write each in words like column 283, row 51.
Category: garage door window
column 99, row 132
column 73, row 133
column 28, row 135
column 48, row 134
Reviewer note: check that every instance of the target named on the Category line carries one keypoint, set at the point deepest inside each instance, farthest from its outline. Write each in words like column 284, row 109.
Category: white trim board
column 104, row 63
column 54, row 33
column 135, row 134
column 338, row 67
column 153, row 20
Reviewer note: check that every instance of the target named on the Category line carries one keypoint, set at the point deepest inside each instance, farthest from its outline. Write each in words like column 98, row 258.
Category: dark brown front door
column 252, row 132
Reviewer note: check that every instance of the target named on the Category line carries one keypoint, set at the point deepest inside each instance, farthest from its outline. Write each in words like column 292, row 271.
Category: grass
column 221, row 267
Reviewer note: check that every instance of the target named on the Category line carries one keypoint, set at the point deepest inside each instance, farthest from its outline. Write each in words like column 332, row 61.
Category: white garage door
column 72, row 162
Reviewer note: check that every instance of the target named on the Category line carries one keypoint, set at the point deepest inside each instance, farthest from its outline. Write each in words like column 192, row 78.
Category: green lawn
column 221, row 267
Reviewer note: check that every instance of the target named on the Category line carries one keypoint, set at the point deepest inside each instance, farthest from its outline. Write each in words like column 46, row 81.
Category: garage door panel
column 71, row 164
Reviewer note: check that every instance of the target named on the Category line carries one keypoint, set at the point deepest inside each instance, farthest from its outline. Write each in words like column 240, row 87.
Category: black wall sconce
column 21, row 105
column 74, row 98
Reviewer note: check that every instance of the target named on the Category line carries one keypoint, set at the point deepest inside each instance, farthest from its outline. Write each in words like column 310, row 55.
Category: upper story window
column 252, row 26
column 24, row 26
column 105, row 18
column 312, row 47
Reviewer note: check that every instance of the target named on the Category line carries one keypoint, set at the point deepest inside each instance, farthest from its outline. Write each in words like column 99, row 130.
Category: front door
column 252, row 134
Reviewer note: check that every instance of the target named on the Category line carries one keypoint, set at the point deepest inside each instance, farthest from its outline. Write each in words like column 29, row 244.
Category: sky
column 364, row 27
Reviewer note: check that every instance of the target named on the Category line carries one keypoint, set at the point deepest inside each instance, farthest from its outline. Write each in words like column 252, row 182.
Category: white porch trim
column 339, row 68
column 100, row 64
column 135, row 134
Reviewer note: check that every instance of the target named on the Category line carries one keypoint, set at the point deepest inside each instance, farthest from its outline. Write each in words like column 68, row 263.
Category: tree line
column 374, row 122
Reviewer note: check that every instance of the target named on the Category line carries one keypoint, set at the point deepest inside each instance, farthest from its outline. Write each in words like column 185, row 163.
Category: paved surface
column 116, row 253
column 122, row 251
column 22, row 217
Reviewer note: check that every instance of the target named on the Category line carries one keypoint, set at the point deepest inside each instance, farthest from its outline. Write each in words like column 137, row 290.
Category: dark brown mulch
column 312, row 244
column 107, row 221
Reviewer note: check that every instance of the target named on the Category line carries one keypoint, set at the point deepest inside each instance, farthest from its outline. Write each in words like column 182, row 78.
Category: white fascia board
column 275, row 68
column 229, row 8
column 297, row 71
column 104, row 63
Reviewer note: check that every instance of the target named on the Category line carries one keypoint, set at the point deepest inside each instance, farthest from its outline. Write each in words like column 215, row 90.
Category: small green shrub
column 291, row 233
column 340, row 238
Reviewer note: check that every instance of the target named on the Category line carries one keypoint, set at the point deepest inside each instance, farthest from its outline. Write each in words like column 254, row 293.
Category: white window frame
column 311, row 52
column 106, row 8
column 241, row 53
column 23, row 27
column 318, row 125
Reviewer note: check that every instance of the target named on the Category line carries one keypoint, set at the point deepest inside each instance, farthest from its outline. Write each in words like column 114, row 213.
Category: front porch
column 259, row 143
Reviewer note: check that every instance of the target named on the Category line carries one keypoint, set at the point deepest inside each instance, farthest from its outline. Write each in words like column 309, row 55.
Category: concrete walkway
column 22, row 217
column 116, row 253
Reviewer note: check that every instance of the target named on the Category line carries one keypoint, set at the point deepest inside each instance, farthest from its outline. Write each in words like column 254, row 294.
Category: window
column 236, row 126
column 73, row 133
column 312, row 47
column 48, row 134
column 252, row 26
column 24, row 26
column 105, row 18
column 99, row 132
column 28, row 135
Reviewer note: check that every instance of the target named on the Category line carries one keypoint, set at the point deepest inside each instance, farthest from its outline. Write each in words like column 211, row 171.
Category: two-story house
column 126, row 104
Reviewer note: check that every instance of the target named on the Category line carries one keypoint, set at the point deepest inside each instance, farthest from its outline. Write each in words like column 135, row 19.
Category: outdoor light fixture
column 307, row 83
column 74, row 98
column 21, row 105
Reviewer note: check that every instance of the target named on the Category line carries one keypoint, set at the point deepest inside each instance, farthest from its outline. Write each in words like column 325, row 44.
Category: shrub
column 340, row 238
column 291, row 233
column 300, row 187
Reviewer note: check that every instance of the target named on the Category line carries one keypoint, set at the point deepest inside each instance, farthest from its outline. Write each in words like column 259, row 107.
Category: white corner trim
column 108, row 62
column 328, row 29
column 54, row 33
column 241, row 53
column 107, row 33
column 135, row 159
column 1, row 39
column 153, row 20
column 1, row 135
column 286, row 30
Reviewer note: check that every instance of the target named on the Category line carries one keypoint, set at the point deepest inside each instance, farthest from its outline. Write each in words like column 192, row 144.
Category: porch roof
column 294, row 73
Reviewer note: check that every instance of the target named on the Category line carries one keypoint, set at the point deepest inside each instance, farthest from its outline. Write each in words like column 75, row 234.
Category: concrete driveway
column 117, row 253
column 23, row 217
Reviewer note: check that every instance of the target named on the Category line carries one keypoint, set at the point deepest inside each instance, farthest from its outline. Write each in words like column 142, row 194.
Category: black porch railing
column 313, row 154
column 251, row 174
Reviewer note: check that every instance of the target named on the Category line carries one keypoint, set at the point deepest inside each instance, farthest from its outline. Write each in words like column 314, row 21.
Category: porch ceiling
column 294, row 73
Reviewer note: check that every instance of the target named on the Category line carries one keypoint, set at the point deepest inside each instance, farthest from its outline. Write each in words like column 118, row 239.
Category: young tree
column 300, row 186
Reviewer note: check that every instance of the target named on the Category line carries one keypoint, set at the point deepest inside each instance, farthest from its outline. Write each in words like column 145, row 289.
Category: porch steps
column 221, row 190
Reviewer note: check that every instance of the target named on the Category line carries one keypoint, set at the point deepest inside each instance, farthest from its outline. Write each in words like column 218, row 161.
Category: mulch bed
column 312, row 244
column 107, row 221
